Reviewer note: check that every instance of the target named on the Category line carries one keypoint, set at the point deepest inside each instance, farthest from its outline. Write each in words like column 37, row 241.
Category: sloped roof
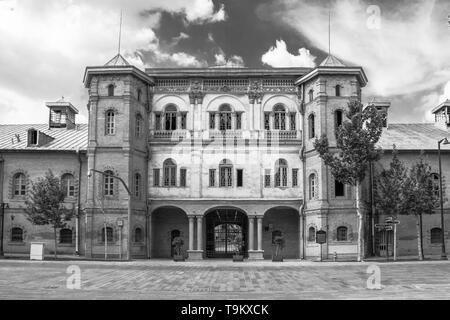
column 414, row 136
column 332, row 61
column 64, row 139
column 118, row 60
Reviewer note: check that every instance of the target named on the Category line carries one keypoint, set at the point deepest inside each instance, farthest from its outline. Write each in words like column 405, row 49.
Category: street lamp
column 443, row 141
column 129, row 207
column 3, row 206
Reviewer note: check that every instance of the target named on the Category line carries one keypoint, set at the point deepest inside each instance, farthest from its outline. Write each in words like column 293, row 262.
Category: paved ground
column 159, row 279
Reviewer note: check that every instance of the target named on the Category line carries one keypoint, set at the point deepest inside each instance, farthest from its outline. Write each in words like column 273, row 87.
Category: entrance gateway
column 223, row 228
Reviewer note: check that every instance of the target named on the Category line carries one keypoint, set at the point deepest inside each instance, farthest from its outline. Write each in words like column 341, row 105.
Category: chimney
column 382, row 107
column 442, row 115
column 62, row 114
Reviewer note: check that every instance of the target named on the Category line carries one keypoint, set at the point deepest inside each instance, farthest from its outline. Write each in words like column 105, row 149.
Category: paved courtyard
column 20, row 279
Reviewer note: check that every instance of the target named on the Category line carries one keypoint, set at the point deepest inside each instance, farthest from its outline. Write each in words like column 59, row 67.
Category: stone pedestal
column 195, row 254
column 255, row 254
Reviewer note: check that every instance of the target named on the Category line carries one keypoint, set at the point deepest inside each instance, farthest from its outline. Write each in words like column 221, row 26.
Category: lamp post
column 129, row 208
column 443, row 254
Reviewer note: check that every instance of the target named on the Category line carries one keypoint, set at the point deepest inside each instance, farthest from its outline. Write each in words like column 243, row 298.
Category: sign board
column 321, row 237
column 37, row 251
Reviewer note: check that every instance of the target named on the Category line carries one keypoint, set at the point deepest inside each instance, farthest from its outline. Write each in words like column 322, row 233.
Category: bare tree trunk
column 419, row 237
column 56, row 242
column 360, row 224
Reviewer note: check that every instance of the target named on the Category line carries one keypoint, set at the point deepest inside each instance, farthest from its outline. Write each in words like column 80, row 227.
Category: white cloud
column 201, row 11
column 234, row 61
column 279, row 56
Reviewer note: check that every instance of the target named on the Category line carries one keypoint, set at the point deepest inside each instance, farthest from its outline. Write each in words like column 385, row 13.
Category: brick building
column 207, row 154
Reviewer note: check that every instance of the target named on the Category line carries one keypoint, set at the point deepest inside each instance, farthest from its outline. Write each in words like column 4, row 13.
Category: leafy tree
column 421, row 197
column 45, row 204
column 355, row 140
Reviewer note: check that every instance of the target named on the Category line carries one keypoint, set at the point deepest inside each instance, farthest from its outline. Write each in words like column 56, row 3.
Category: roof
column 118, row 60
column 446, row 103
column 332, row 61
column 62, row 103
column 414, row 136
column 224, row 72
column 64, row 139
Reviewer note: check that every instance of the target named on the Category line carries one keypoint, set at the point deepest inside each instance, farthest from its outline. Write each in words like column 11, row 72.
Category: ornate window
column 137, row 185
column 435, row 183
column 281, row 169
column 239, row 177
column 212, row 120
column 183, row 120
column 156, row 177
column 279, row 117
column 212, row 177
column 139, row 126
column 436, row 236
column 111, row 90
column 294, row 177
column 170, row 122
column 225, row 117
column 338, row 118
column 267, row 121
column 17, row 234
column 65, row 236
column 226, row 173
column 109, row 234
column 68, row 185
column 312, row 186
column 341, row 234
column 157, row 121
column 311, row 234
column 337, row 90
column 19, row 184
column 292, row 121
column 138, row 235
column 339, row 189
column 267, row 177
column 110, row 122
column 311, row 126
column 183, row 174
column 108, row 183
column 311, row 95
column 238, row 121
column 170, row 173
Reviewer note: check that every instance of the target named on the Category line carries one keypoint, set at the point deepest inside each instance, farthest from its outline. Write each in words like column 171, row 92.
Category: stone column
column 199, row 233
column 178, row 121
column 252, row 116
column 251, row 236
column 191, row 233
column 192, row 112
column 271, row 121
column 287, row 120
column 260, row 231
column 192, row 253
column 233, row 121
column 216, row 121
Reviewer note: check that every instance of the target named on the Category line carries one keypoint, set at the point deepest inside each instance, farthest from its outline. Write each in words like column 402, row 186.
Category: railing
column 174, row 135
column 178, row 135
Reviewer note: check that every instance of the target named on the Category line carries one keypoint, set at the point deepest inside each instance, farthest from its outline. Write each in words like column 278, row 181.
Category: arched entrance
column 224, row 226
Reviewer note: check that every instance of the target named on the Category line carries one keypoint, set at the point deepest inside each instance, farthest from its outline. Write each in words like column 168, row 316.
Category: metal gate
column 384, row 241
column 223, row 228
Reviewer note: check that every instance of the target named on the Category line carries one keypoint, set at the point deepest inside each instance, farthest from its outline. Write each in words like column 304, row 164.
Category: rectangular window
column 267, row 178
column 212, row 177
column 156, row 177
column 267, row 121
column 240, row 177
column 226, row 177
column 339, row 189
column 182, row 177
column 183, row 121
column 238, row 121
column 292, row 121
column 294, row 177
column 157, row 122
column 212, row 124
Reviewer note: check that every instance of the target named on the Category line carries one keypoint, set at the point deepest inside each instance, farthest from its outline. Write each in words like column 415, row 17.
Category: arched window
column 312, row 186
column 16, row 234
column 170, row 116
column 435, row 183
column 281, row 169
column 341, row 234
column 20, row 186
column 137, row 185
column 111, row 90
column 338, row 118
column 311, row 126
column 170, row 173
column 339, row 189
column 311, row 95
column 139, row 126
column 226, row 173
column 225, row 112
column 68, row 185
column 109, row 234
column 337, row 90
column 138, row 235
column 65, row 236
column 276, row 233
column 108, row 183
column 436, row 236
column 110, row 122
column 311, row 234
column 279, row 117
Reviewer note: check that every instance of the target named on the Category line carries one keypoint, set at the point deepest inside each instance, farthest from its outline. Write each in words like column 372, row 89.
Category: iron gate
column 223, row 228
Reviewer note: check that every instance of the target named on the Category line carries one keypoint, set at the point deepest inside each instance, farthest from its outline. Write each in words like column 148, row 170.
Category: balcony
column 180, row 135
column 169, row 135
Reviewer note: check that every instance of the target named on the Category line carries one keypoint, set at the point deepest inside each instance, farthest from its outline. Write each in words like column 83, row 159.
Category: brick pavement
column 223, row 280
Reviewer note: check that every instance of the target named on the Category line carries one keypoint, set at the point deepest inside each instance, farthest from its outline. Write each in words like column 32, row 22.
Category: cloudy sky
column 404, row 46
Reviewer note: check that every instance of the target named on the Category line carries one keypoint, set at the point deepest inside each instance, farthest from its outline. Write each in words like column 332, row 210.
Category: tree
column 45, row 204
column 421, row 197
column 355, row 140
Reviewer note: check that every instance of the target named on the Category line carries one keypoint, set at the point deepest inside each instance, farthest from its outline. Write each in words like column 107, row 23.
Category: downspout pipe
column 77, row 218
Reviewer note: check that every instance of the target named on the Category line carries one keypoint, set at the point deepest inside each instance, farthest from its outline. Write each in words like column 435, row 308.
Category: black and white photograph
column 225, row 154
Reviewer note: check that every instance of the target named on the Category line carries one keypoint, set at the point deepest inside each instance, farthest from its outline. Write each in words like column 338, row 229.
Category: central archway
column 224, row 226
